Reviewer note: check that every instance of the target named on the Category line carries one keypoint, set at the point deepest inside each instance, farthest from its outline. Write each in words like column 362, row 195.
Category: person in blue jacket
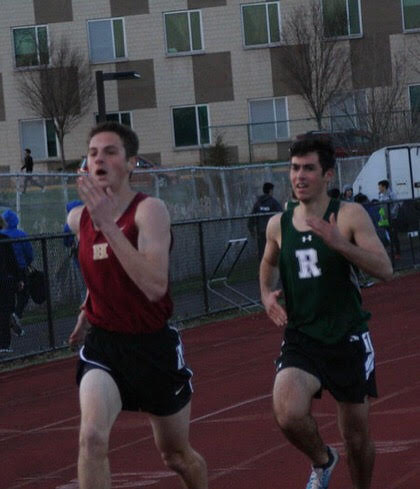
column 70, row 240
column 24, row 256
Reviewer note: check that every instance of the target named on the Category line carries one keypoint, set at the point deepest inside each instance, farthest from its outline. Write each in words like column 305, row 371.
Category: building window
column 342, row 18
column 269, row 120
column 39, row 135
column 106, row 40
column 261, row 24
column 414, row 94
column 411, row 14
column 31, row 46
column 121, row 117
column 347, row 111
column 183, row 32
column 191, row 126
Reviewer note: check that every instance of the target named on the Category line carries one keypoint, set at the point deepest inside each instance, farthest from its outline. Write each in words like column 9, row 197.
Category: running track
column 232, row 424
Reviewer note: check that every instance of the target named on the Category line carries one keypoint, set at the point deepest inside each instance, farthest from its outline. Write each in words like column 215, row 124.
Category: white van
column 400, row 165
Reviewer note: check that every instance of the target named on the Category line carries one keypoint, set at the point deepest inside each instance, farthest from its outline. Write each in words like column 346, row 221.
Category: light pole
column 100, row 92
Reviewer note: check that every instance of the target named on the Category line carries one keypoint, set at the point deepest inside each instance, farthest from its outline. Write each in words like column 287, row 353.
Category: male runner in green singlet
column 327, row 344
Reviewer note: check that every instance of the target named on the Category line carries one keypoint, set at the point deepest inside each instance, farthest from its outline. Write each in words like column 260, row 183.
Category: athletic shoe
column 320, row 476
column 16, row 326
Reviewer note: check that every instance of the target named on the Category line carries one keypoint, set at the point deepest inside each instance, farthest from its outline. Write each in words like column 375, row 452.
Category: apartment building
column 208, row 68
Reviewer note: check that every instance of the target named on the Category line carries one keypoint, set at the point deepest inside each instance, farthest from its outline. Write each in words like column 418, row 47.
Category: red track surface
column 232, row 424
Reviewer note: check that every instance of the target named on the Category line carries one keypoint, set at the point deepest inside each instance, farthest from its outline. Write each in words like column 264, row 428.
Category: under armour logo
column 306, row 238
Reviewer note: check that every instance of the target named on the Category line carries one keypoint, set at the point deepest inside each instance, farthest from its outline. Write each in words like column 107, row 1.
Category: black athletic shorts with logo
column 148, row 369
column 346, row 369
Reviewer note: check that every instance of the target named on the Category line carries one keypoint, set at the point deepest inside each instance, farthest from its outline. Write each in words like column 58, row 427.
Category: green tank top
column 320, row 286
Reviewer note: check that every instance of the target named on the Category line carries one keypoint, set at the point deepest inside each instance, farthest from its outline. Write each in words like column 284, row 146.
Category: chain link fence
column 214, row 267
column 189, row 192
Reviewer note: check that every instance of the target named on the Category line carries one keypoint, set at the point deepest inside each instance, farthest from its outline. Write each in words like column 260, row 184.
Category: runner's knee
column 93, row 442
column 174, row 460
column 177, row 460
column 288, row 414
column 355, row 438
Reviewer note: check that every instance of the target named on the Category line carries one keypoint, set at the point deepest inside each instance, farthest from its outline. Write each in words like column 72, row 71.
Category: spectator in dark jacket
column 28, row 166
column 24, row 255
column 9, row 282
column 265, row 204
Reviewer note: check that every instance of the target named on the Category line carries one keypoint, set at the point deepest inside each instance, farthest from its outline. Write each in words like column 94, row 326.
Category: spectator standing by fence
column 28, row 166
column 386, row 195
column 9, row 284
column 264, row 204
column 347, row 195
column 24, row 255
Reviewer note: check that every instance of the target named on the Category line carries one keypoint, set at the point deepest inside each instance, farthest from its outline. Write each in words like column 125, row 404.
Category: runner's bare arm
column 73, row 219
column 269, row 273
column 148, row 265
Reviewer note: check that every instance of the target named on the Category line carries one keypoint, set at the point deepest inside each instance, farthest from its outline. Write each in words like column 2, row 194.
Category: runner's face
column 306, row 177
column 107, row 161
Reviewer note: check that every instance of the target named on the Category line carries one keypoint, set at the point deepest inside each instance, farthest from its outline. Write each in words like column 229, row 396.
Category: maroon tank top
column 114, row 302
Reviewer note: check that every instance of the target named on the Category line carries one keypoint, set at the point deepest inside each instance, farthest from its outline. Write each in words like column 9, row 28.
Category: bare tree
column 60, row 90
column 381, row 111
column 315, row 66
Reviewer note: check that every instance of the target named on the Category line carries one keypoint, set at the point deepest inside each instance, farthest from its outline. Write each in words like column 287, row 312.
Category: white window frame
column 191, row 51
column 44, row 133
column 119, row 113
column 275, row 121
column 115, row 58
column 36, row 27
column 409, row 100
column 405, row 29
column 197, row 122
column 348, row 35
column 355, row 117
column 268, row 43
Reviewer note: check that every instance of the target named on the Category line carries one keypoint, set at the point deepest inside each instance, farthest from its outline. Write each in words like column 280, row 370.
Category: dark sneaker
column 320, row 476
column 16, row 326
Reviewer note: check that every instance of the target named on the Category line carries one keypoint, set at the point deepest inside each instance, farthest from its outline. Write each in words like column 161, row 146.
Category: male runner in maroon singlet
column 131, row 359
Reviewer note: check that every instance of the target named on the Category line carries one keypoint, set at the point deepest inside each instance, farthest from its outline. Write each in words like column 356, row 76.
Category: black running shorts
column 148, row 369
column 346, row 369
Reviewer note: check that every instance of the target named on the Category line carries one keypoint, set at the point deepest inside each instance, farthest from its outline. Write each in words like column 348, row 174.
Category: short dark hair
column 323, row 148
column 28, row 150
column 334, row 193
column 127, row 135
column 384, row 183
column 267, row 187
column 361, row 198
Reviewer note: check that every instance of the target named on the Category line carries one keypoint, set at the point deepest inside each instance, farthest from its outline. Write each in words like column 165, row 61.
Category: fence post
column 248, row 130
column 203, row 267
column 51, row 334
